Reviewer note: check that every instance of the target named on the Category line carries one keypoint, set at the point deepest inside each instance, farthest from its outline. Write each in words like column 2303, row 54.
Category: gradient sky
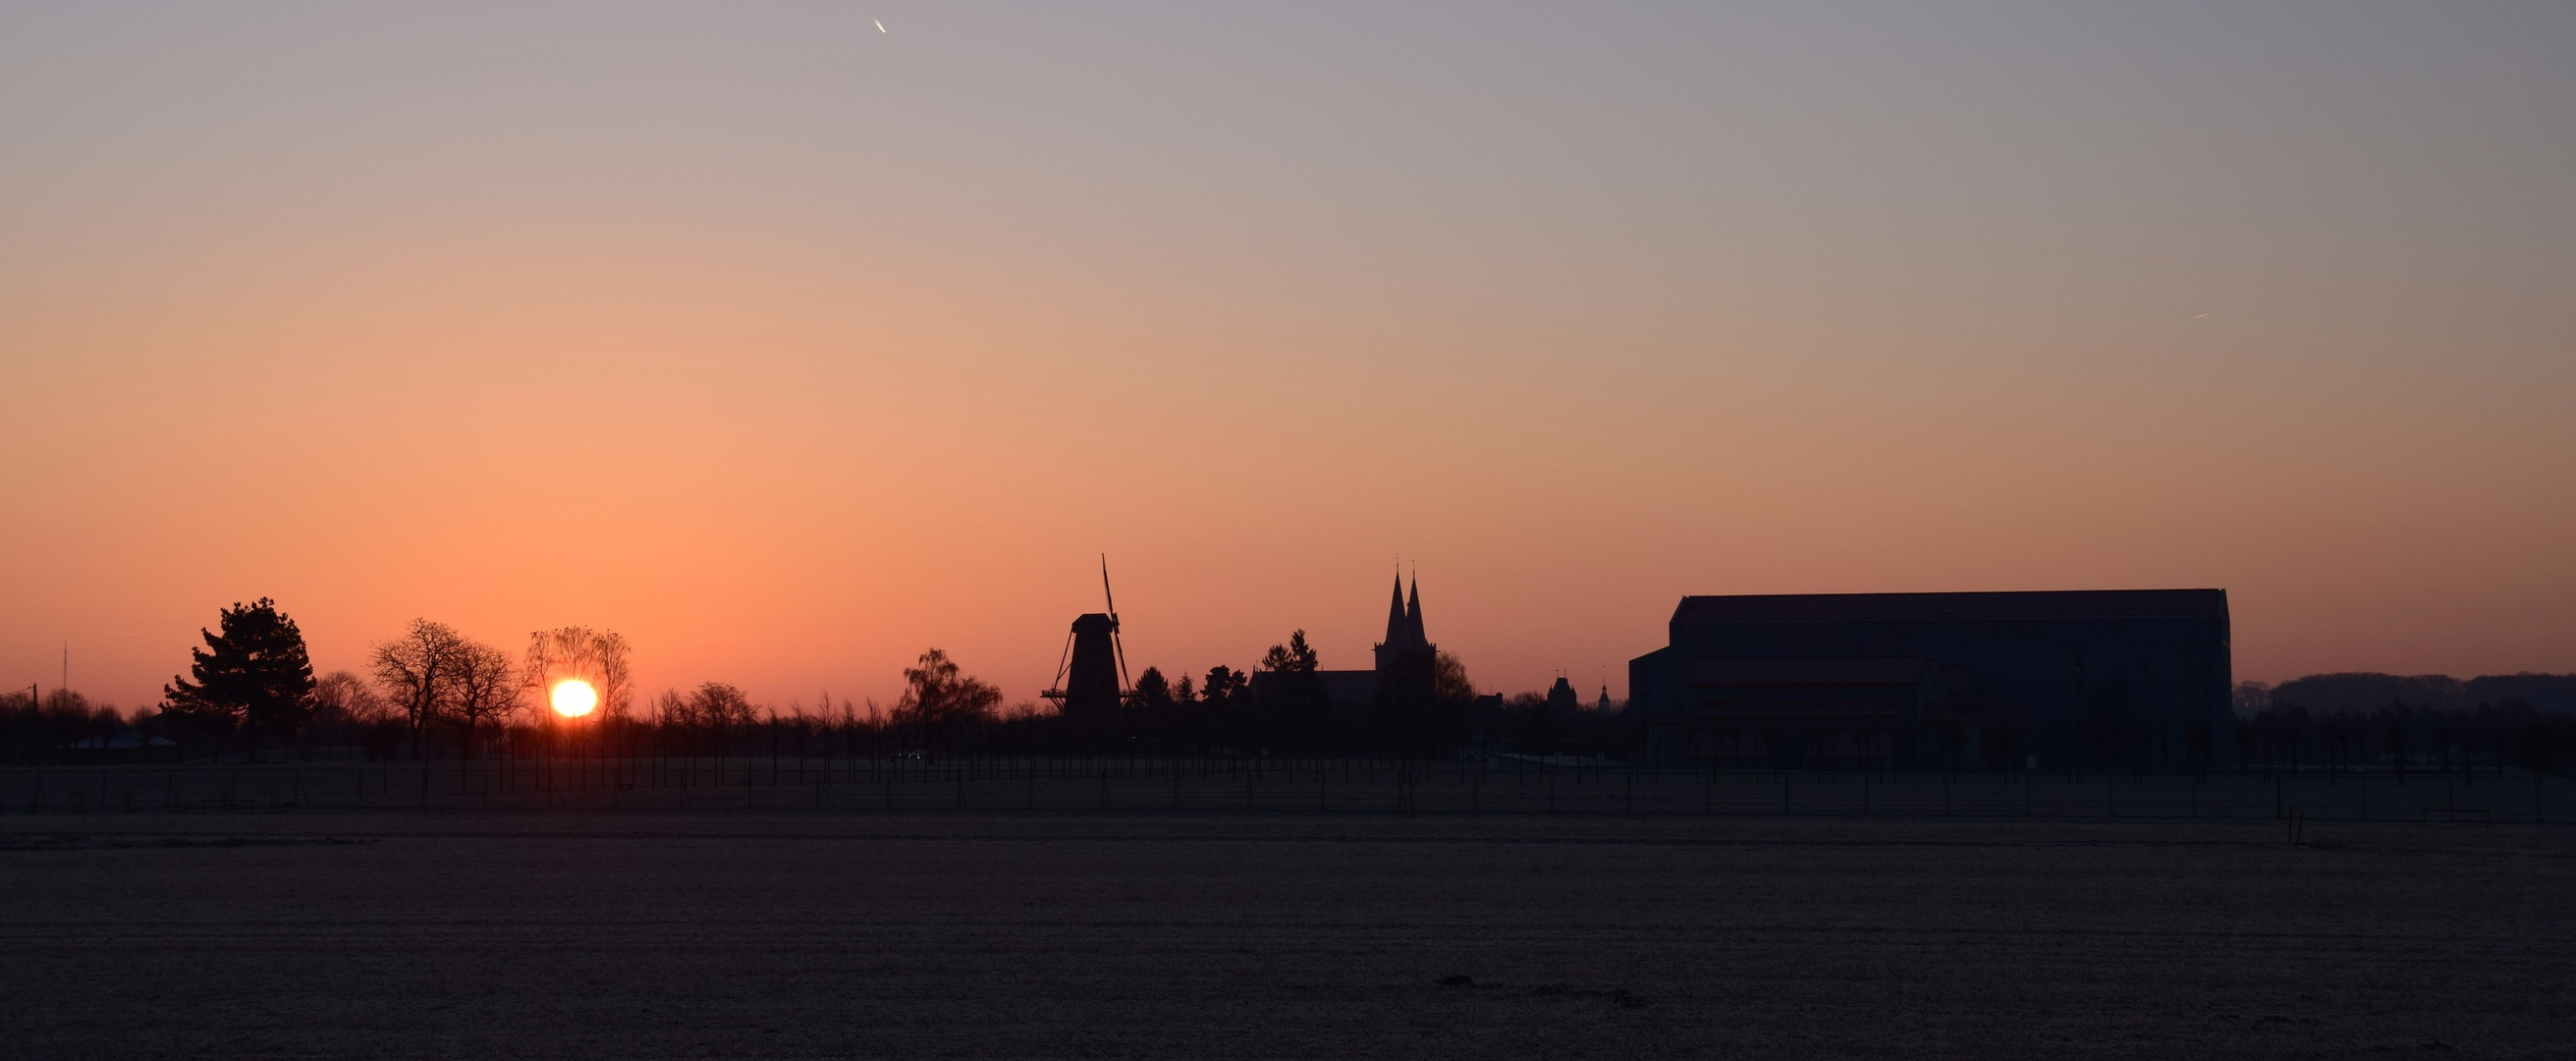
column 788, row 347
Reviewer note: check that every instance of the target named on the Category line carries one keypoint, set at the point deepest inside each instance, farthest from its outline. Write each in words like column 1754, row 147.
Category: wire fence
column 1493, row 786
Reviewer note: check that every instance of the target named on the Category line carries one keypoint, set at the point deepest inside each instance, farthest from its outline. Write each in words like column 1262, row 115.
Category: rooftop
column 2057, row 604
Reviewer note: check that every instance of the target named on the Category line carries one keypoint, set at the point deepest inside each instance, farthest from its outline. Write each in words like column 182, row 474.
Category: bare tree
column 714, row 709
column 344, row 697
column 416, row 671
column 1449, row 679
column 721, row 707
column 597, row 657
column 485, row 687
column 671, row 712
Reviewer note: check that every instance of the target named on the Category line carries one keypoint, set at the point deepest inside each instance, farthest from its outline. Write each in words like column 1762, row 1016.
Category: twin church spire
column 1404, row 620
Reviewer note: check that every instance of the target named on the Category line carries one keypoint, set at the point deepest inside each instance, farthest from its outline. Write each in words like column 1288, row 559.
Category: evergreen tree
column 1223, row 685
column 255, row 674
column 1294, row 708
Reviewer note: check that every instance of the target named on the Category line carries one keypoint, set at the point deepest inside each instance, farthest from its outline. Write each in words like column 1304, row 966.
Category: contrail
column 880, row 24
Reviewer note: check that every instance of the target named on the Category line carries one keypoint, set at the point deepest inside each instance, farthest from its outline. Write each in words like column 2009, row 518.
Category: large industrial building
column 2087, row 679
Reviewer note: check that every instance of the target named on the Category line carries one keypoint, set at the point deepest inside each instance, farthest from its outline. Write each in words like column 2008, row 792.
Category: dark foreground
column 742, row 935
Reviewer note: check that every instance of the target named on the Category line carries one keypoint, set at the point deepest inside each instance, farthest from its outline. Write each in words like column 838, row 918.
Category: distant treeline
column 36, row 729
column 2363, row 692
column 433, row 692
column 350, row 719
column 2409, row 722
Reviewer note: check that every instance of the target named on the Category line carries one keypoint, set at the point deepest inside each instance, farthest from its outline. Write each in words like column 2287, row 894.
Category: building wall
column 2142, row 681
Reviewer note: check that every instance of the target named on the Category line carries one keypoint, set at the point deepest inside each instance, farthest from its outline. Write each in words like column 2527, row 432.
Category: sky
column 789, row 346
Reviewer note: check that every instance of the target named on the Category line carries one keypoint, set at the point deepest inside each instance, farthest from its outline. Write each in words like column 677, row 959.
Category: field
column 779, row 933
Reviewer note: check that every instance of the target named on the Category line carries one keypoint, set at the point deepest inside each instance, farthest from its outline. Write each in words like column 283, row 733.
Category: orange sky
column 788, row 350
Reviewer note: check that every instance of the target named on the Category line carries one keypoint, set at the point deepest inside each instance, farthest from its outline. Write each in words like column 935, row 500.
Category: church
column 1404, row 661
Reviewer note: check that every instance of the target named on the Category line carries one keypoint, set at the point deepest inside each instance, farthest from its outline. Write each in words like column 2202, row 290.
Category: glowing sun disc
column 575, row 698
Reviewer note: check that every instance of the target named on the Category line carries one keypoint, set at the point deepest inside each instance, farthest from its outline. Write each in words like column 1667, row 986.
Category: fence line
column 1077, row 784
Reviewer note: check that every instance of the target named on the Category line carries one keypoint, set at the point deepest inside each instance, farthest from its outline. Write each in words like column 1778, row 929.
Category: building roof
column 1882, row 607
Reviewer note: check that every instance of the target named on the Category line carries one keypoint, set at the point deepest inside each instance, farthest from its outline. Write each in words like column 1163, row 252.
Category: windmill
column 1091, row 676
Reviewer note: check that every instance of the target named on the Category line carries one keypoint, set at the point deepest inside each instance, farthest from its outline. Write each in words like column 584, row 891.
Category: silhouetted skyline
column 787, row 346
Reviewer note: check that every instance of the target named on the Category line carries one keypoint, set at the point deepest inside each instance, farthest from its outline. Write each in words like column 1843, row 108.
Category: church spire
column 1417, row 638
column 1395, row 621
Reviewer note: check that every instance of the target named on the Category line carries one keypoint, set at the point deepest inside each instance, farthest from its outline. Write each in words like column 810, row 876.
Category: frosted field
column 802, row 934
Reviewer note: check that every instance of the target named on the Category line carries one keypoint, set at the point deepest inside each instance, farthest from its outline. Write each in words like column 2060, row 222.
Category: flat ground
column 829, row 935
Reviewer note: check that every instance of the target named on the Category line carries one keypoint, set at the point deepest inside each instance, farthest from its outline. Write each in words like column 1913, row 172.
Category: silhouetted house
column 2133, row 678
column 126, row 745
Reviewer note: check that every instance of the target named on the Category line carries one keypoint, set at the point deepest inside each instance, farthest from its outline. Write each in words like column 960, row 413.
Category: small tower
column 1562, row 697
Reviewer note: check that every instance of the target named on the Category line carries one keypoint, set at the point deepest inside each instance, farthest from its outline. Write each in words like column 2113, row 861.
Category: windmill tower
column 1091, row 677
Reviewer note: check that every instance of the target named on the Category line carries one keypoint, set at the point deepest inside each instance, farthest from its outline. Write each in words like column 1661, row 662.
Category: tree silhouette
column 1153, row 690
column 417, row 670
column 2335, row 733
column 720, row 709
column 1450, row 681
column 1293, row 702
column 344, row 697
column 485, row 687
column 1222, row 686
column 1295, row 657
column 254, row 674
column 2395, row 729
column 597, row 657
column 938, row 697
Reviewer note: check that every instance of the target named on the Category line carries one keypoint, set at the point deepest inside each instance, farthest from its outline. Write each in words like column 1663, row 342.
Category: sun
column 574, row 698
